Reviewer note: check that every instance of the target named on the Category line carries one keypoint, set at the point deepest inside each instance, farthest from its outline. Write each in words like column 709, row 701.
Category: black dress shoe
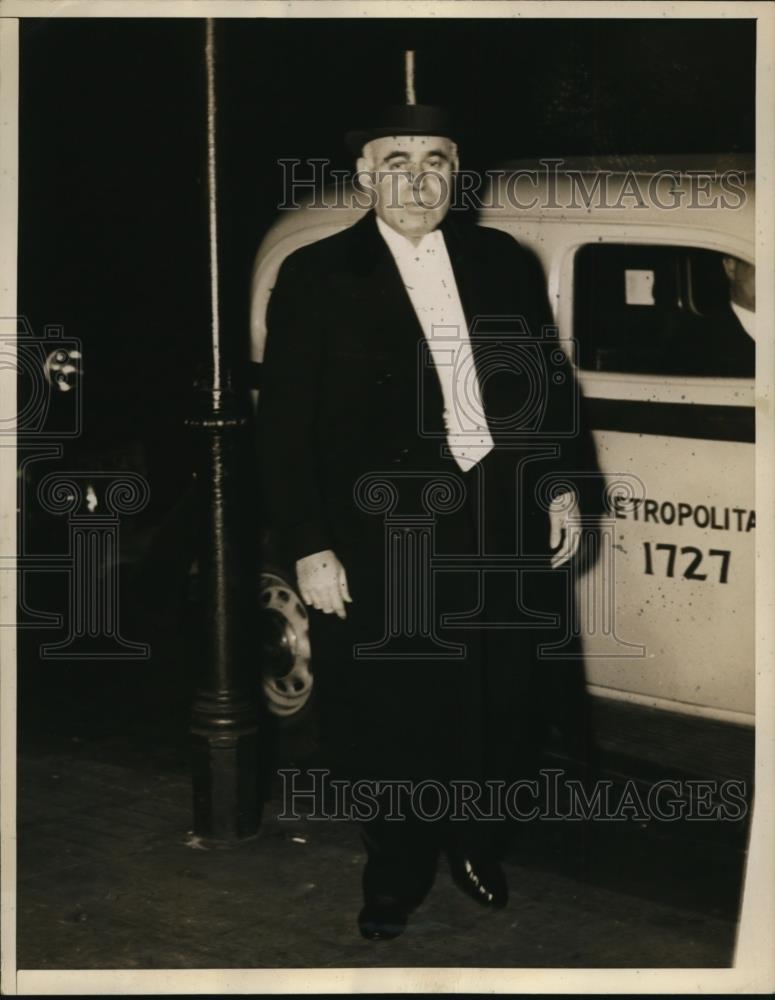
column 480, row 877
column 398, row 875
column 382, row 919
column 388, row 903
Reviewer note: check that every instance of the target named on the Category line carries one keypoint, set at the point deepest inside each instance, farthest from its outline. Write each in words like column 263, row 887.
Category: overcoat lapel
column 372, row 262
column 393, row 323
column 393, row 320
column 463, row 267
column 467, row 269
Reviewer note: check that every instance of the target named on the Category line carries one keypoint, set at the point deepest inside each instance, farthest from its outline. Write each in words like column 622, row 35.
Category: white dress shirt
column 430, row 283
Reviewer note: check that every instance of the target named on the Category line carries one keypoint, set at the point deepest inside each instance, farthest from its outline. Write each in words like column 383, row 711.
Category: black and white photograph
column 387, row 443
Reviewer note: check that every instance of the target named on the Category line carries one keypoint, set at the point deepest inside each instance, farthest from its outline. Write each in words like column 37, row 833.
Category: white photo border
column 754, row 970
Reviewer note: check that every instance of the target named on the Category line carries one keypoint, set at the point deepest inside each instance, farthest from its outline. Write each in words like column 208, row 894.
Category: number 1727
column 688, row 567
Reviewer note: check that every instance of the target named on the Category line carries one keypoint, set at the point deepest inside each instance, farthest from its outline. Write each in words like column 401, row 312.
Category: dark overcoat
column 432, row 675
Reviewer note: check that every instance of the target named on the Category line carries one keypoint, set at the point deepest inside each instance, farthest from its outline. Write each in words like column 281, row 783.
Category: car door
column 667, row 369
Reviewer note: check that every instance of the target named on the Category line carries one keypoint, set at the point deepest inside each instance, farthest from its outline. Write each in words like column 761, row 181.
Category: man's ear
column 364, row 173
column 730, row 267
column 454, row 158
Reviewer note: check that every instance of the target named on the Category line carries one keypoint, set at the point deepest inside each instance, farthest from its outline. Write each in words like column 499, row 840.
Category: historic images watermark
column 413, row 563
column 90, row 501
column 537, row 361
column 551, row 796
column 551, row 185
column 533, row 433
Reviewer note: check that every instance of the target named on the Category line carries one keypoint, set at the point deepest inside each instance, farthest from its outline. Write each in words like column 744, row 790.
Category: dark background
column 113, row 229
column 113, row 243
column 113, row 247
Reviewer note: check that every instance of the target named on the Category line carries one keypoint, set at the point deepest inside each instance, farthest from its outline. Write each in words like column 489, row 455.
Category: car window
column 659, row 310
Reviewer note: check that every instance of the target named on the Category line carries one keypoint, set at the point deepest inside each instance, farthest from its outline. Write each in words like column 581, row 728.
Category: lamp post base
column 224, row 715
column 224, row 758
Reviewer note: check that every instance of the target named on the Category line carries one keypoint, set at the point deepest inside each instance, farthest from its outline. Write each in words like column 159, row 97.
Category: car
column 634, row 251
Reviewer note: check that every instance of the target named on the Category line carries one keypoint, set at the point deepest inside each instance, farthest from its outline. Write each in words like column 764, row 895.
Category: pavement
column 110, row 876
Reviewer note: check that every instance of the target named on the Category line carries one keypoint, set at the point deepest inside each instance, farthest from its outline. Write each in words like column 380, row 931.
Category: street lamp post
column 224, row 719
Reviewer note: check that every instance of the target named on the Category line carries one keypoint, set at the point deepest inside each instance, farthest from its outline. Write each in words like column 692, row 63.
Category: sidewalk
column 109, row 877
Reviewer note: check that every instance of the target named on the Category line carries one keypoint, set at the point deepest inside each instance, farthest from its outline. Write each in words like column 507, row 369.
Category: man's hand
column 323, row 582
column 565, row 530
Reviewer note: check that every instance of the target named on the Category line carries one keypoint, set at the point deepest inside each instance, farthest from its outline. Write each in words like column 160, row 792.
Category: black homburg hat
column 403, row 119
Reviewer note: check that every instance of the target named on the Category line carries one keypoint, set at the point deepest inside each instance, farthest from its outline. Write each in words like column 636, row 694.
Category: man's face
column 411, row 176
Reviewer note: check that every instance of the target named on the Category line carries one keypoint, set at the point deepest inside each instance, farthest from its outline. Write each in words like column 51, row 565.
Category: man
column 742, row 292
column 382, row 399
column 721, row 338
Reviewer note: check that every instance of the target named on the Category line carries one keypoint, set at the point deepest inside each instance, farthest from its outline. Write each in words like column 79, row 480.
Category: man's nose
column 409, row 174
column 418, row 179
